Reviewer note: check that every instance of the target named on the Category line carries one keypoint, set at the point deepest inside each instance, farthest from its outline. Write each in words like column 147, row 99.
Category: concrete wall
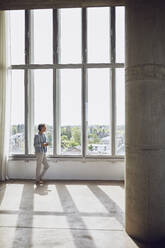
column 145, row 120
column 38, row 4
column 70, row 169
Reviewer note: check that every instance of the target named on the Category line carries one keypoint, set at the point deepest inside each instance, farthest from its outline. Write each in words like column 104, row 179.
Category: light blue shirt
column 38, row 140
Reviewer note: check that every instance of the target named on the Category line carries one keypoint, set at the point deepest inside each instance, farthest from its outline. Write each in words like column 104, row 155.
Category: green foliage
column 17, row 129
column 90, row 147
column 66, row 131
column 96, row 133
column 64, row 141
column 14, row 130
column 70, row 137
column 72, row 143
column 76, row 135
column 94, row 139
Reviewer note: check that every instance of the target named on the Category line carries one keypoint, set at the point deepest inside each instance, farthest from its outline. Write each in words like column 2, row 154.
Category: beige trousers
column 41, row 159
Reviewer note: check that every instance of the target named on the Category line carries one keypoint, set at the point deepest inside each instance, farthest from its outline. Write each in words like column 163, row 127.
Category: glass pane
column 120, row 114
column 16, row 144
column 70, row 112
column 99, row 135
column 17, row 22
column 43, row 103
column 42, row 37
column 98, row 35
column 120, row 34
column 70, row 36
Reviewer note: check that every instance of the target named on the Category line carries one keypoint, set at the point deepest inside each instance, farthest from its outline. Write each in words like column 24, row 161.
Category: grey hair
column 40, row 126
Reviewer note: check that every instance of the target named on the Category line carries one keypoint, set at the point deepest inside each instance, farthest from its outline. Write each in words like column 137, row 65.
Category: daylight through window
column 68, row 72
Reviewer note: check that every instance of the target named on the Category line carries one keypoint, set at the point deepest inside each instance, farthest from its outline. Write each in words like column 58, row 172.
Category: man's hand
column 44, row 144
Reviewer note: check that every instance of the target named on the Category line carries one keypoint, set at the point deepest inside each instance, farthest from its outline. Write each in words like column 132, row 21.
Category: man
column 40, row 145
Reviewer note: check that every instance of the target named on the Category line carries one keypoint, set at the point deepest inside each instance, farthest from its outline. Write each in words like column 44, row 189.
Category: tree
column 94, row 139
column 90, row 147
column 72, row 143
column 64, row 141
column 76, row 135
column 68, row 132
column 14, row 130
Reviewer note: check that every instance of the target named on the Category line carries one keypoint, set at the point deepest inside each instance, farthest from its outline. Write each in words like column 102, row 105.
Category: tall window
column 68, row 72
column 17, row 138
column 43, row 103
column 41, row 37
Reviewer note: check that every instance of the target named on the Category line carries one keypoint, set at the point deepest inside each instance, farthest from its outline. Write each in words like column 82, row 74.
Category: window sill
column 69, row 158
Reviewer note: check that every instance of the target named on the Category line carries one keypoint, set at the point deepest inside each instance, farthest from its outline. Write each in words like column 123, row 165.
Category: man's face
column 43, row 129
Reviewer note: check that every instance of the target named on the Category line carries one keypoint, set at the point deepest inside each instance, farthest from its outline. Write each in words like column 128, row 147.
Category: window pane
column 70, row 112
column 120, row 34
column 99, row 112
column 70, row 36
column 17, row 113
column 42, row 37
column 120, row 114
column 43, row 103
column 98, row 35
column 17, row 22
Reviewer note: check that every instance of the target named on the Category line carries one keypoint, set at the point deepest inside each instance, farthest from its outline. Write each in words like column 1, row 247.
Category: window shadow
column 81, row 237
column 111, row 206
column 23, row 232
column 2, row 191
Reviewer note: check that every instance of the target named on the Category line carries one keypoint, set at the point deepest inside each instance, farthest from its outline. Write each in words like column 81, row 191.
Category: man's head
column 41, row 128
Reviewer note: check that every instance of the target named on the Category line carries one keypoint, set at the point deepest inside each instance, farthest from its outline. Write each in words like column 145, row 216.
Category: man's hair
column 40, row 126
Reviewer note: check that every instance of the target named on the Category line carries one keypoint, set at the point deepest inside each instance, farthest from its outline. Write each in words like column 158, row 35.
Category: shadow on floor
column 149, row 245
column 2, row 191
column 23, row 232
column 74, row 219
column 81, row 235
column 112, row 207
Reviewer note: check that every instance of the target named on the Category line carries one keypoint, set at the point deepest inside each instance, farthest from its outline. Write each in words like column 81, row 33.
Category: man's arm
column 45, row 141
column 37, row 141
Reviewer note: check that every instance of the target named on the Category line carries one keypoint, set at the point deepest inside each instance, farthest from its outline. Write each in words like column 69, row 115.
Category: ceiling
column 38, row 4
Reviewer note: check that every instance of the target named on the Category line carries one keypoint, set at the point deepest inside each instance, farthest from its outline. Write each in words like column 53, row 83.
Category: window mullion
column 30, row 80
column 55, row 81
column 84, row 82
column 113, row 88
column 27, row 36
column 27, row 30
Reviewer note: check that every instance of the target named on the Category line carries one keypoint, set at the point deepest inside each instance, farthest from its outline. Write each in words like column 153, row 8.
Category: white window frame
column 112, row 65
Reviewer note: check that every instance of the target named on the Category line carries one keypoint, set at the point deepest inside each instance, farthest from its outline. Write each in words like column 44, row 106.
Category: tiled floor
column 63, row 215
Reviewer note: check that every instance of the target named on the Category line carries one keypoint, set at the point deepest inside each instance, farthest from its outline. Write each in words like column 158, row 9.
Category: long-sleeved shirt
column 38, row 140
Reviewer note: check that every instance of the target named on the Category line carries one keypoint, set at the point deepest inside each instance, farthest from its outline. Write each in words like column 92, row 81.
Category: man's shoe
column 39, row 181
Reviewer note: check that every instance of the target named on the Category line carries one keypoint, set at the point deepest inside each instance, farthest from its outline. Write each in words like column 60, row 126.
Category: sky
column 99, row 85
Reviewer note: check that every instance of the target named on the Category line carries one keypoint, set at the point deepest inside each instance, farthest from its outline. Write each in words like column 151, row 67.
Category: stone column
column 145, row 119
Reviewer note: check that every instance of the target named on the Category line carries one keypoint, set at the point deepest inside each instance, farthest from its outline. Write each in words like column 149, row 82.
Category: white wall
column 69, row 169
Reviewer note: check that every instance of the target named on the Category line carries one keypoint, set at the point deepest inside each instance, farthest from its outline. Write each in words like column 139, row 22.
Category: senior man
column 40, row 145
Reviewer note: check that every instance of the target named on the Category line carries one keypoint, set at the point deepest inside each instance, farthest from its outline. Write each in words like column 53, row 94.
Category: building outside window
column 68, row 72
